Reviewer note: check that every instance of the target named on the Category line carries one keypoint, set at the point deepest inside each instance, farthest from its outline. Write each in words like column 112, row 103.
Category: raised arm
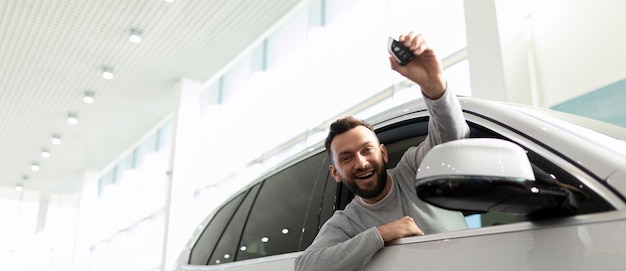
column 447, row 122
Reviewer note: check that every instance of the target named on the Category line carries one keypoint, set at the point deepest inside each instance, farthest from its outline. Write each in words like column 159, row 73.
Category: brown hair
column 341, row 126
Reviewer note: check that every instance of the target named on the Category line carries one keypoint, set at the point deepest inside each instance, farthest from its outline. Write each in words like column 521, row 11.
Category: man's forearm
column 351, row 254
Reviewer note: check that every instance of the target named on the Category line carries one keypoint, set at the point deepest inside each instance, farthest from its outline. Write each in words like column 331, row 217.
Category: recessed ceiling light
column 56, row 139
column 34, row 166
column 45, row 153
column 89, row 97
column 135, row 35
column 107, row 72
column 19, row 187
column 72, row 118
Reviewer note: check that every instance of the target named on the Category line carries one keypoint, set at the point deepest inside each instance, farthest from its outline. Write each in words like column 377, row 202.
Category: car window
column 316, row 213
column 546, row 171
column 226, row 248
column 277, row 219
column 203, row 248
column 329, row 204
column 402, row 135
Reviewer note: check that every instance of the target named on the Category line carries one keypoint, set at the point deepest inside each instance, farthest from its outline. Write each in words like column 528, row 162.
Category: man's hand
column 425, row 69
column 402, row 227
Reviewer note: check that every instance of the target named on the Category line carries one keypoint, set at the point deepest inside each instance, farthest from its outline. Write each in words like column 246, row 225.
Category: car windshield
column 606, row 135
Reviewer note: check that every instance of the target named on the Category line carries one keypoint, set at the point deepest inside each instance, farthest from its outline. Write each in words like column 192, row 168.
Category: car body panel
column 583, row 242
column 592, row 242
column 576, row 148
column 617, row 180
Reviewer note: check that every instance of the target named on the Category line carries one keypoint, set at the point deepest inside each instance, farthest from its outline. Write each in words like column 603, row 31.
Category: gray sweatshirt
column 349, row 239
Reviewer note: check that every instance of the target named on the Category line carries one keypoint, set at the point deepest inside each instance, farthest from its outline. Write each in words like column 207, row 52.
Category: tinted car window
column 316, row 211
column 226, row 248
column 203, row 248
column 585, row 200
column 277, row 218
column 328, row 204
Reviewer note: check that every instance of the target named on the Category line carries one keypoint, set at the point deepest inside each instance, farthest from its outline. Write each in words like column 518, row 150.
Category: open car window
column 412, row 132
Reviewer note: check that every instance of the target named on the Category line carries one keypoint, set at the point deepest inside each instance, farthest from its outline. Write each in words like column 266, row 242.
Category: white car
column 541, row 190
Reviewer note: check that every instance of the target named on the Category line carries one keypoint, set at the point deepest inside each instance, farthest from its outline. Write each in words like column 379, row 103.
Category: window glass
column 313, row 219
column 146, row 147
column 105, row 180
column 328, row 205
column 203, row 248
column 226, row 249
column 277, row 218
column 545, row 170
column 164, row 136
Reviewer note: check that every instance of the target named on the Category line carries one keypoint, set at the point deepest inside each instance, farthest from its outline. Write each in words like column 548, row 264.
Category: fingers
column 412, row 227
column 395, row 66
column 415, row 42
column 403, row 227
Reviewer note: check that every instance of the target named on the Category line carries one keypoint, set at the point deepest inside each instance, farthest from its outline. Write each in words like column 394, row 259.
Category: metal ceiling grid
column 53, row 51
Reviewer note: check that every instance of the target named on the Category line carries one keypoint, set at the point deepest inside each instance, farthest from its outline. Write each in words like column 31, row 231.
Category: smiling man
column 386, row 206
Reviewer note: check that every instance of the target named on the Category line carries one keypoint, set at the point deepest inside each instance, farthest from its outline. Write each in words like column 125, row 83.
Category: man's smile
column 364, row 175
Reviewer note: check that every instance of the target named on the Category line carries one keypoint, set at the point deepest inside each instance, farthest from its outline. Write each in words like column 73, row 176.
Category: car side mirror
column 481, row 175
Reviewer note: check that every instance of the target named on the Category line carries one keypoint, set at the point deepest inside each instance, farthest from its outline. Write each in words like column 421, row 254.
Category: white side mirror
column 485, row 175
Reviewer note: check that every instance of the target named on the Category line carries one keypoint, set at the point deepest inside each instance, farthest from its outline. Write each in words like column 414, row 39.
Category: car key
column 401, row 53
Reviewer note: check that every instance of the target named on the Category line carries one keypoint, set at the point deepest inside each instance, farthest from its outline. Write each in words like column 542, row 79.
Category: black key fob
column 401, row 53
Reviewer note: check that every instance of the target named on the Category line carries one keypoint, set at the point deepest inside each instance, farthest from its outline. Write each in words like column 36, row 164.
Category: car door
column 591, row 239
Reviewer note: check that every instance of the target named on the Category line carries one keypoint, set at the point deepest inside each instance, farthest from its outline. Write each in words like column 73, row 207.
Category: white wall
column 544, row 52
column 581, row 46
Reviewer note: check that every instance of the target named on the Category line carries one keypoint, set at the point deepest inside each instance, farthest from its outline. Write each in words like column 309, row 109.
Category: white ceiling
column 51, row 52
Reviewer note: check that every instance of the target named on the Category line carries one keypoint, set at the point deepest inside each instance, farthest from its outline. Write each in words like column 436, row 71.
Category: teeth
column 367, row 175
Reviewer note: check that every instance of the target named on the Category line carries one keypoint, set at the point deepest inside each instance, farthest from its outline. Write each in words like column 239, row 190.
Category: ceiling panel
column 51, row 52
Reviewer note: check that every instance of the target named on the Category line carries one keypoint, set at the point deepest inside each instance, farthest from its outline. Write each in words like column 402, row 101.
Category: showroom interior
column 126, row 122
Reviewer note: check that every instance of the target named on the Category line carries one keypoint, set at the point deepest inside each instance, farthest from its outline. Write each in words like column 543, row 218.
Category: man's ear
column 384, row 153
column 334, row 173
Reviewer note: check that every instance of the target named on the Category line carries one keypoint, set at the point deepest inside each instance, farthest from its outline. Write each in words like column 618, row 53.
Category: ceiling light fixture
column 45, row 153
column 89, row 97
column 19, row 187
column 72, row 118
column 135, row 35
column 34, row 166
column 56, row 139
column 107, row 72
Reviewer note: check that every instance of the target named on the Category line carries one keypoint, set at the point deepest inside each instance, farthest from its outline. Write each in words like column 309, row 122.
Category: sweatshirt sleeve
column 446, row 122
column 334, row 249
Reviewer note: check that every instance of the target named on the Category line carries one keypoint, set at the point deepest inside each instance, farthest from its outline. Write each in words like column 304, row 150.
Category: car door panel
column 591, row 242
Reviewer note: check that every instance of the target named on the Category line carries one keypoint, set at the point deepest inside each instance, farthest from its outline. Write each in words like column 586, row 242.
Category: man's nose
column 362, row 161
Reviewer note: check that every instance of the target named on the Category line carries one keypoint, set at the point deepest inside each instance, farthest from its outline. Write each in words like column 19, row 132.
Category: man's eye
column 344, row 159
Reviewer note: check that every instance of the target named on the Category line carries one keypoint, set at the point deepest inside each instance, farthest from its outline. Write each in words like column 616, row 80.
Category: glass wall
column 327, row 58
column 124, row 220
column 37, row 230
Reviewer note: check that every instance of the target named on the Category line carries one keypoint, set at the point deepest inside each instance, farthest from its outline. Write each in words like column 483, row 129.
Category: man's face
column 359, row 161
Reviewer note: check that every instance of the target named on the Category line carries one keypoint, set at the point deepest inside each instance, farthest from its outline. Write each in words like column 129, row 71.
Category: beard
column 381, row 182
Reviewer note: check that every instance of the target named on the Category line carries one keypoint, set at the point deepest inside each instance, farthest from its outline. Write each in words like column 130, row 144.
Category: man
column 386, row 206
